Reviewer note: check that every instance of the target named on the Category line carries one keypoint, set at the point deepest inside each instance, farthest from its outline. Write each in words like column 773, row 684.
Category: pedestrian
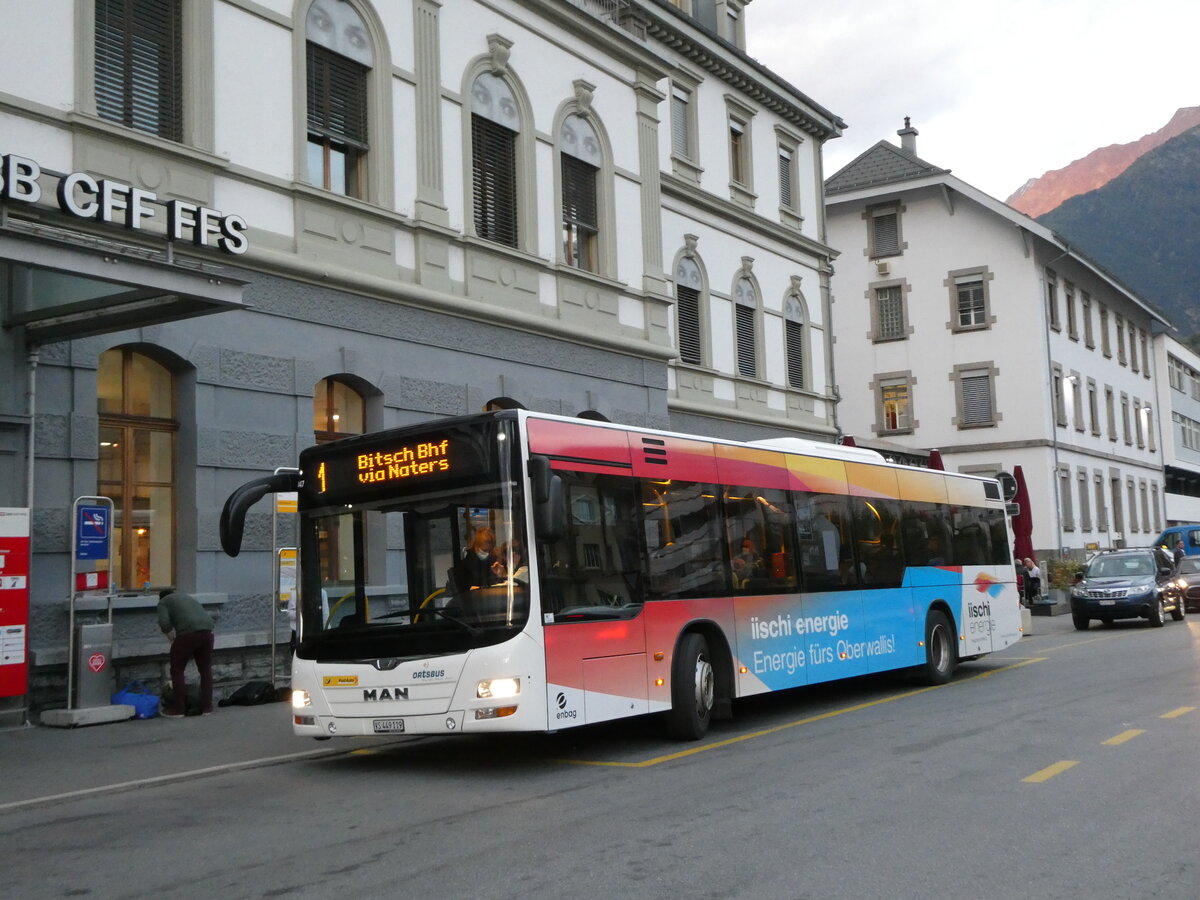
column 1033, row 580
column 189, row 628
column 1180, row 553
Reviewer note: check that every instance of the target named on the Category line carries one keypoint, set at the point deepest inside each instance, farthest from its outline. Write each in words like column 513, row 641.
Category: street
column 1061, row 768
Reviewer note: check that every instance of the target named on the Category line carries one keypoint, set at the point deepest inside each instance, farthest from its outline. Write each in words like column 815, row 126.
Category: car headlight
column 497, row 688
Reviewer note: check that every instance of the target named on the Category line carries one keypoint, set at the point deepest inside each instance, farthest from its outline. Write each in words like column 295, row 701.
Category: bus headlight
column 497, row 688
column 300, row 699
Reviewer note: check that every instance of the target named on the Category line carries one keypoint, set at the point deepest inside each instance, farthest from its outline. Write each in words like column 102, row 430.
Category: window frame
column 959, row 375
column 129, row 424
column 701, row 291
column 605, row 241
column 879, row 387
column 684, row 87
column 789, row 207
column 872, row 215
column 874, row 299
column 954, row 282
column 739, row 121
column 747, row 326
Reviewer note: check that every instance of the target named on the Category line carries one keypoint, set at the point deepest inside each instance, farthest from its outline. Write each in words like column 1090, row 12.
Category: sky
column 1001, row 91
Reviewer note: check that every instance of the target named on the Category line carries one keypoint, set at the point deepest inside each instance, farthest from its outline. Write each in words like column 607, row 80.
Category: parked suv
column 1127, row 584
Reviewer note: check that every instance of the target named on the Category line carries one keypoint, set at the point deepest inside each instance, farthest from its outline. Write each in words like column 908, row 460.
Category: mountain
column 1144, row 228
column 1040, row 195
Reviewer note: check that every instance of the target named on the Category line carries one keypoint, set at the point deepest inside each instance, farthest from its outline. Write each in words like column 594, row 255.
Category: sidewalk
column 40, row 762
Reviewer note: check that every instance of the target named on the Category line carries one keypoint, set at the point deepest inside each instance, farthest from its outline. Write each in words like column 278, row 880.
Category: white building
column 231, row 229
column 1179, row 395
column 966, row 326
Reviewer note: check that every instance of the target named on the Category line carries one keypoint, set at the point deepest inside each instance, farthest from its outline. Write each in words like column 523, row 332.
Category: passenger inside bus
column 747, row 563
column 478, row 566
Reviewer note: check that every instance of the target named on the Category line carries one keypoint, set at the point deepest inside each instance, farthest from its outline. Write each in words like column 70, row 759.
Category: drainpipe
column 31, row 407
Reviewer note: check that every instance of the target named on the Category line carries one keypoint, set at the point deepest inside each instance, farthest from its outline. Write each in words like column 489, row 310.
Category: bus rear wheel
column 693, row 686
column 941, row 654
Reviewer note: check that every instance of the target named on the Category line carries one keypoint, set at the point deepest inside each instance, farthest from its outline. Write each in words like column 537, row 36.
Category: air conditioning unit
column 883, row 267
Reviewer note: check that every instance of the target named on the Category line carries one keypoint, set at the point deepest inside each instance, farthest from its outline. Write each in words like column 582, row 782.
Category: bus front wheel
column 692, row 689
column 941, row 654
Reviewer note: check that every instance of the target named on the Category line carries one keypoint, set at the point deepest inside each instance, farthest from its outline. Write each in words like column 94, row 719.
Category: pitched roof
column 882, row 164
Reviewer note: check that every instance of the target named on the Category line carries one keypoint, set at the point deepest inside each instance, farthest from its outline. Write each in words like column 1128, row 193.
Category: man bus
column 630, row 601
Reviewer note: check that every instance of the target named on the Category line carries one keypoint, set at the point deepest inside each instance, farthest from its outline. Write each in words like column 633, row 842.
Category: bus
column 519, row 571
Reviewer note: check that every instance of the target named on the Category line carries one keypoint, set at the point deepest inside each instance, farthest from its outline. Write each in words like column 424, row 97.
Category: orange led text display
column 424, row 458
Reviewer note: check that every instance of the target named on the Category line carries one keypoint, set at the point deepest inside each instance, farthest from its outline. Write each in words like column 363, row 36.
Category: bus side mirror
column 547, row 500
column 233, row 515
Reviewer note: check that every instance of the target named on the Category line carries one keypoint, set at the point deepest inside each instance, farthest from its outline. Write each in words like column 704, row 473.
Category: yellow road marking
column 1176, row 713
column 703, row 748
column 1123, row 737
column 1050, row 771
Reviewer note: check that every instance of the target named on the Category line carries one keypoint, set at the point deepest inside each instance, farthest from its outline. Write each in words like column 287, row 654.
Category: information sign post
column 90, row 674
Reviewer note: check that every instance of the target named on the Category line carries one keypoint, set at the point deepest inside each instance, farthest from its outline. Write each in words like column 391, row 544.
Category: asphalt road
column 1061, row 768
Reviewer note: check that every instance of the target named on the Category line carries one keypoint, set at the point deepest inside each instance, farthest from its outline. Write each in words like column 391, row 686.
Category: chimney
column 908, row 138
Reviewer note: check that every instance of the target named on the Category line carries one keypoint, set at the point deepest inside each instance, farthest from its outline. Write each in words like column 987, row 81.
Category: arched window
column 338, row 411
column 495, row 124
column 581, row 158
column 746, row 327
column 688, row 290
column 339, row 58
column 136, row 403
column 793, row 326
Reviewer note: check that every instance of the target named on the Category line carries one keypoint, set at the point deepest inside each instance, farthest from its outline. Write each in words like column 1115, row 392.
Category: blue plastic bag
column 137, row 695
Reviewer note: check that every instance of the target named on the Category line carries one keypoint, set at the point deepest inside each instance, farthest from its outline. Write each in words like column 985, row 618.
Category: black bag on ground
column 191, row 703
column 252, row 693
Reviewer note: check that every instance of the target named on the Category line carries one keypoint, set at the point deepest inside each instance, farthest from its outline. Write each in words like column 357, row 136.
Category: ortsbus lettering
column 104, row 200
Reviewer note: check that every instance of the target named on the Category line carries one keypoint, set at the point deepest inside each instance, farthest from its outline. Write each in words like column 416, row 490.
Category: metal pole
column 274, row 577
column 31, row 408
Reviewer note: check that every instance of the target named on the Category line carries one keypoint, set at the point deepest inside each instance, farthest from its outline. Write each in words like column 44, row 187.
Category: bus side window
column 684, row 546
column 823, row 542
column 877, row 538
column 595, row 564
column 760, row 539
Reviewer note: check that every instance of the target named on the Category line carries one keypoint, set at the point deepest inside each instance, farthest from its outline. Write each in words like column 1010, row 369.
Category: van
column 1189, row 534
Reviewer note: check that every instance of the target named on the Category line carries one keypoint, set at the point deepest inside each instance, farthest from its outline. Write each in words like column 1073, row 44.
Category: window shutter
column 494, row 173
column 887, row 234
column 139, row 71
column 794, row 333
column 680, row 144
column 579, row 193
column 337, row 97
column 976, row 400
column 747, row 360
column 687, row 302
column 785, row 178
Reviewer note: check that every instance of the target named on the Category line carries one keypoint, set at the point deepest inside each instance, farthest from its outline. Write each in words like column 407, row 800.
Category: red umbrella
column 1022, row 522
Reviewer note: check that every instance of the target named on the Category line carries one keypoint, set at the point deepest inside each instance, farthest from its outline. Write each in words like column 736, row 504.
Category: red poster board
column 14, row 602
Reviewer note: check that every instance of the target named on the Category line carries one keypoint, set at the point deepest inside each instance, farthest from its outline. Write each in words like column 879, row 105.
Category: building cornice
column 680, row 33
column 678, row 188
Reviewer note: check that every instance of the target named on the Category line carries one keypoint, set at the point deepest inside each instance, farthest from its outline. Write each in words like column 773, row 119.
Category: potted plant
column 1060, row 575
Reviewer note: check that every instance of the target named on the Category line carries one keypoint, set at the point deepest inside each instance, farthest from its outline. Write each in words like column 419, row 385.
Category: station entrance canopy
column 60, row 284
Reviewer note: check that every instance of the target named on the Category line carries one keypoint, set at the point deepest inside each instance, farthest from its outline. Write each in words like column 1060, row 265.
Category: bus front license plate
column 388, row 726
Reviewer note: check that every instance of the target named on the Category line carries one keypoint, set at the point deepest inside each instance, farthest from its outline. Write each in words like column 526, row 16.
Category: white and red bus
column 670, row 574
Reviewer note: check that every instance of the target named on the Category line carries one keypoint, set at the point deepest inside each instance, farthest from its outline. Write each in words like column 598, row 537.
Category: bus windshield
column 418, row 563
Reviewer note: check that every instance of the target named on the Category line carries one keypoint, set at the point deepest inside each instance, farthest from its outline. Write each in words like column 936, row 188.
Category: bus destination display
column 404, row 466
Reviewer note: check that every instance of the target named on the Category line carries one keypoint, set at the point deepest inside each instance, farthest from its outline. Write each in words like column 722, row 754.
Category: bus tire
column 941, row 654
column 692, row 689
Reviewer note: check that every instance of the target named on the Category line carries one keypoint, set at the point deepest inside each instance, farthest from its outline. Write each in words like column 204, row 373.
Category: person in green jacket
column 189, row 628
